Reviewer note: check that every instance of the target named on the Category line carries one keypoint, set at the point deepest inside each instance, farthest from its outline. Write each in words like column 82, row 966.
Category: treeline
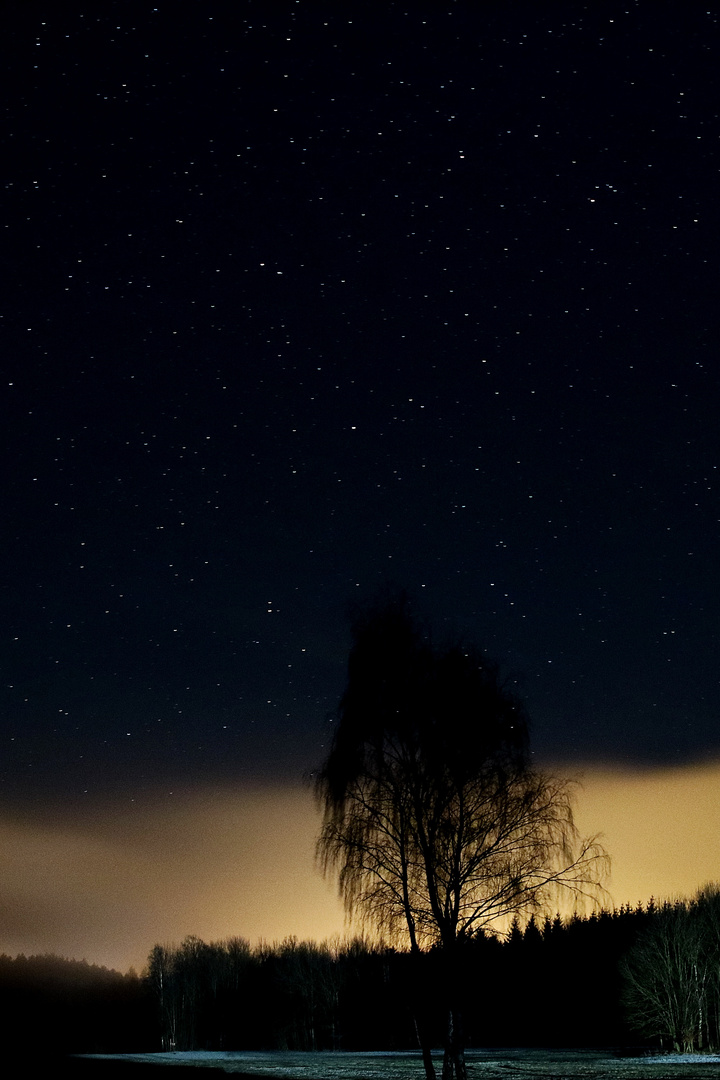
column 551, row 983
column 52, row 1005
column 644, row 976
column 291, row 995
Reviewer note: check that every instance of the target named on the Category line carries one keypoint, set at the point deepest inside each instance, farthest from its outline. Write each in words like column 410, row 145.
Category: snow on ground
column 495, row 1064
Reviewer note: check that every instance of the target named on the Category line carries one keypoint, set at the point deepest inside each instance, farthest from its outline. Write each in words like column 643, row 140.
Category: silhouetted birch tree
column 433, row 817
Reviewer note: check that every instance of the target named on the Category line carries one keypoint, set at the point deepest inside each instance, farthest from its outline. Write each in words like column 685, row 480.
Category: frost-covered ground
column 500, row 1064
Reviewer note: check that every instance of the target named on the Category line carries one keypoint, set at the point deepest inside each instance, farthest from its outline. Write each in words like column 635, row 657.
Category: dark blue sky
column 301, row 298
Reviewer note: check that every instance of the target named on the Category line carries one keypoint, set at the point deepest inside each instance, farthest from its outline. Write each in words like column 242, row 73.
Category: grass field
column 499, row 1064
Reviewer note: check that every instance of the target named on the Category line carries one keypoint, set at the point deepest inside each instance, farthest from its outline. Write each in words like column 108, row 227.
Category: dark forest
column 555, row 982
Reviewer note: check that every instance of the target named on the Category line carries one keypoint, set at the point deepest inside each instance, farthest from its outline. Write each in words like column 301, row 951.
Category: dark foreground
column 495, row 1064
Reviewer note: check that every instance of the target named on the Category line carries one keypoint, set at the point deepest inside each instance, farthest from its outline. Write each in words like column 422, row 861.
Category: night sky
column 301, row 299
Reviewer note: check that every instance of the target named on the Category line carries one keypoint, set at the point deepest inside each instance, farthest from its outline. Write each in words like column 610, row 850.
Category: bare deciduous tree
column 433, row 818
column 672, row 975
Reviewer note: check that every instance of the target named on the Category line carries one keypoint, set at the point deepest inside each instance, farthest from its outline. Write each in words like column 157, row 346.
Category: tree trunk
column 454, row 1056
column 427, row 1057
column 419, row 1010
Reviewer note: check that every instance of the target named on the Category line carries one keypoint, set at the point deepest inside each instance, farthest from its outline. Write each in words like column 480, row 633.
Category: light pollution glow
column 109, row 882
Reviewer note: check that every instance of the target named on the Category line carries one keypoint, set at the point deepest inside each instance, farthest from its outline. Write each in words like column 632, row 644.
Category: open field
column 495, row 1064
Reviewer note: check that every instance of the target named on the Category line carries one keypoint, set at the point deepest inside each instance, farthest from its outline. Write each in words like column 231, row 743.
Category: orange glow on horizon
column 661, row 828
column 216, row 864
column 109, row 883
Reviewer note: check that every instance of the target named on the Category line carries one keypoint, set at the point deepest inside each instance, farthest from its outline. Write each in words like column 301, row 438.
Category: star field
column 303, row 298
